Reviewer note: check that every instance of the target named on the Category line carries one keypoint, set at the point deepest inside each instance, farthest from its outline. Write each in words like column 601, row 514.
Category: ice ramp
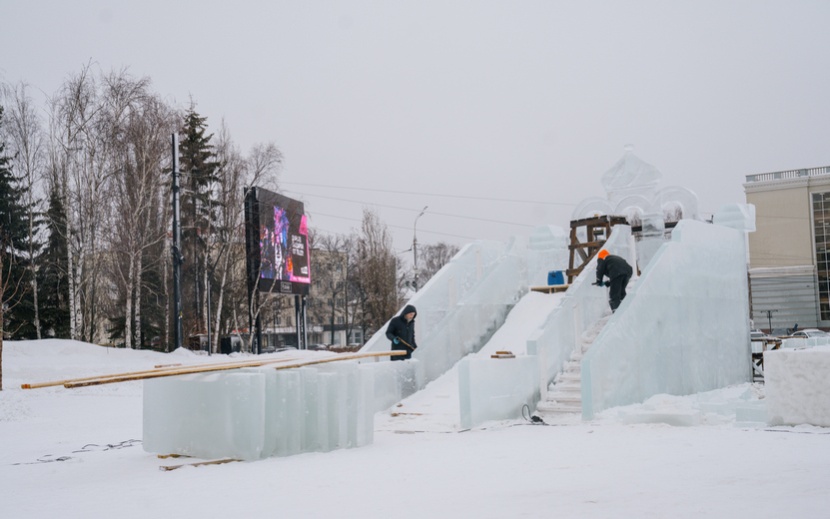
column 444, row 405
column 465, row 303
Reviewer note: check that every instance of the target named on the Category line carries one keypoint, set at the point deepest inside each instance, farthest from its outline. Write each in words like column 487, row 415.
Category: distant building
column 789, row 264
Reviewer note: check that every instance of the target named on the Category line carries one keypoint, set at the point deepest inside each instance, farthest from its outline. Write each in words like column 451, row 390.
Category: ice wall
column 255, row 413
column 684, row 328
column 797, row 386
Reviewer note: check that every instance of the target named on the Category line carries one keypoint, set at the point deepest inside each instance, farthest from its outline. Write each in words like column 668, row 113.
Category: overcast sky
column 499, row 116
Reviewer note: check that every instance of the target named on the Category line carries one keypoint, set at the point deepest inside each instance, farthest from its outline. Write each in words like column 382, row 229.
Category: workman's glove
column 396, row 341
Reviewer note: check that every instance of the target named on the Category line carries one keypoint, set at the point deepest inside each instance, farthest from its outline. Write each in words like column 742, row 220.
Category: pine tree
column 199, row 169
column 14, row 276
column 53, row 282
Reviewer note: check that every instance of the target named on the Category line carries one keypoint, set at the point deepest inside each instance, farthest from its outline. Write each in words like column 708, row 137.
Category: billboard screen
column 284, row 258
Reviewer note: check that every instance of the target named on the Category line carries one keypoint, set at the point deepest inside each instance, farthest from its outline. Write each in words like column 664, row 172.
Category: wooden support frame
column 597, row 232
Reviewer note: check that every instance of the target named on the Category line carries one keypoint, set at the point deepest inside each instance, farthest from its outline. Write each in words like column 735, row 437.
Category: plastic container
column 555, row 277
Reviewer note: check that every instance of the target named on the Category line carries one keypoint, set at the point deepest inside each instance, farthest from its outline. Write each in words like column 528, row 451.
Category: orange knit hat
column 602, row 254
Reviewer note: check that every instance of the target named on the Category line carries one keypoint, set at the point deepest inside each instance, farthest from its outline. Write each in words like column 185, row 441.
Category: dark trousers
column 617, row 291
column 401, row 357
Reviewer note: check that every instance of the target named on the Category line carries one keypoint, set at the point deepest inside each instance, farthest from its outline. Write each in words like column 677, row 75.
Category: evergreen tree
column 199, row 205
column 14, row 236
column 53, row 282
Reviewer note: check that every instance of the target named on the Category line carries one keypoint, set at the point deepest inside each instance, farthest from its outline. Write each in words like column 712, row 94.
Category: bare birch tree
column 72, row 163
column 140, row 128
column 24, row 138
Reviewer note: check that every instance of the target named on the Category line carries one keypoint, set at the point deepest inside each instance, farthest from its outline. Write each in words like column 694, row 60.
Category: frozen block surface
column 206, row 415
column 496, row 389
column 797, row 386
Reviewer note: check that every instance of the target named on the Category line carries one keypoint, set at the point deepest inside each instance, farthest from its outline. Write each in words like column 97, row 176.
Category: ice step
column 565, row 399
column 565, row 395
column 554, row 408
column 570, row 388
column 568, row 377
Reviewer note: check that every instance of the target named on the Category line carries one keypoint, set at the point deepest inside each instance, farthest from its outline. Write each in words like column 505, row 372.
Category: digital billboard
column 282, row 262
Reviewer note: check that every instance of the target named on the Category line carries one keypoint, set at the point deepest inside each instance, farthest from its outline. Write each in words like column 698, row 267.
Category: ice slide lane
column 435, row 408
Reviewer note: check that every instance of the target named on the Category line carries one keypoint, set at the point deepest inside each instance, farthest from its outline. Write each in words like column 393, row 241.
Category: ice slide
column 684, row 328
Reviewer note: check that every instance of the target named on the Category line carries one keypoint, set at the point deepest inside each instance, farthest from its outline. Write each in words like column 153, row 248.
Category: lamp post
column 178, row 259
column 415, row 247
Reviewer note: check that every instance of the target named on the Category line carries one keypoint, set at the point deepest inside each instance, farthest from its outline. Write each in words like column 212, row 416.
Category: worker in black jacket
column 401, row 331
column 618, row 271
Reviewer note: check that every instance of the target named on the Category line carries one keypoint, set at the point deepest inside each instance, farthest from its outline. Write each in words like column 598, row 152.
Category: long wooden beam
column 207, row 369
column 164, row 369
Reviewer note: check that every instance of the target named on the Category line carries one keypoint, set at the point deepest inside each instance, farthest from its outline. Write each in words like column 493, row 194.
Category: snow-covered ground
column 77, row 454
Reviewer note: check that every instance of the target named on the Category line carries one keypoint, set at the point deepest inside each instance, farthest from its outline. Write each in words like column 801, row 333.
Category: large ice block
column 496, row 389
column 797, row 386
column 256, row 413
column 210, row 415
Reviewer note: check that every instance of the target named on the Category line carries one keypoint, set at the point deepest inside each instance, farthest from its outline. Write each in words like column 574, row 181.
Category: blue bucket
column 555, row 277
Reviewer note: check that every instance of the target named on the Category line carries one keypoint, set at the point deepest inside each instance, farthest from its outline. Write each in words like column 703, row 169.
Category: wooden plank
column 208, row 369
column 550, row 289
column 173, row 368
column 168, row 468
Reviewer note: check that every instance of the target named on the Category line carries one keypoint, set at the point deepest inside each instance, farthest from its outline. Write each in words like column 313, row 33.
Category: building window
column 821, row 223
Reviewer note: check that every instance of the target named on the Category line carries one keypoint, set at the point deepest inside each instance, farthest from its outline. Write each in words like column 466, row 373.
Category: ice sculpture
column 631, row 191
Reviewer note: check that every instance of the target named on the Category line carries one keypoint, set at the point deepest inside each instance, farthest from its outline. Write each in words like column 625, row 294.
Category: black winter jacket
column 613, row 266
column 399, row 327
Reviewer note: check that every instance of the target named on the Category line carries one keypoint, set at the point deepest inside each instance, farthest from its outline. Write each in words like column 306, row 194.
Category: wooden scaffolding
column 597, row 231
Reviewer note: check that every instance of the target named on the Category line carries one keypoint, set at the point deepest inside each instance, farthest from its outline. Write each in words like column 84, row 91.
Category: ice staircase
column 564, row 395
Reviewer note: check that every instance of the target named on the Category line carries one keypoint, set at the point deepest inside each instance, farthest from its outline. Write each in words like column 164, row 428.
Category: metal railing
column 785, row 175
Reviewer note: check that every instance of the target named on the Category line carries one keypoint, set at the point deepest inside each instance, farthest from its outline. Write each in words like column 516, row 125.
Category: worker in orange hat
column 618, row 272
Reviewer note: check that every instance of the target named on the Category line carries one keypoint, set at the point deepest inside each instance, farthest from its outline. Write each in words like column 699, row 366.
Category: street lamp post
column 415, row 247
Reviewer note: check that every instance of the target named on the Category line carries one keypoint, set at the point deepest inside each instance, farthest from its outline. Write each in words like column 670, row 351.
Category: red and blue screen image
column 283, row 240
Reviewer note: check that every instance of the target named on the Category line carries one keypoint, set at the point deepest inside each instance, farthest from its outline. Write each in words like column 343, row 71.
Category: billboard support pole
column 300, row 318
column 252, row 265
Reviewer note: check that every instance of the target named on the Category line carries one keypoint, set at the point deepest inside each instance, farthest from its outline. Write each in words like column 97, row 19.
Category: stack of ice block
column 256, row 413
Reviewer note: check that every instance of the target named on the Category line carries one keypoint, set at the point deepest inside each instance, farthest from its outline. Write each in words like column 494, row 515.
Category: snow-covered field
column 77, row 453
